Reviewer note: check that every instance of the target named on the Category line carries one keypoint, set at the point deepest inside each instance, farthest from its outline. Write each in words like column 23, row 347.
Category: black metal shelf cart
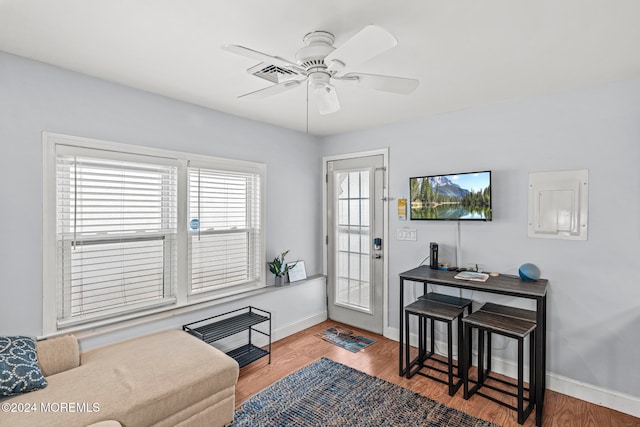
column 225, row 325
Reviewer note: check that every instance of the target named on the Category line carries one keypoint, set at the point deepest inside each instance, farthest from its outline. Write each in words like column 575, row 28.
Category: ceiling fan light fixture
column 319, row 80
column 327, row 100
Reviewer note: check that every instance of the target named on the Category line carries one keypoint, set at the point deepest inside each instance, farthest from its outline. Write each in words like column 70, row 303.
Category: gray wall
column 594, row 308
column 35, row 97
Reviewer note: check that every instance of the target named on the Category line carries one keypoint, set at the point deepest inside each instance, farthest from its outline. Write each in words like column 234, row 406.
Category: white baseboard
column 558, row 383
column 298, row 326
column 594, row 394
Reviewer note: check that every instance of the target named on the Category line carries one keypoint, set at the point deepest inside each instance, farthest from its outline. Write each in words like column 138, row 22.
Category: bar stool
column 507, row 321
column 462, row 303
column 520, row 313
column 435, row 311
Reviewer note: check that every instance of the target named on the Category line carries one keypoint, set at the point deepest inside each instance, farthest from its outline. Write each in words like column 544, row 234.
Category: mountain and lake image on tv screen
column 462, row 196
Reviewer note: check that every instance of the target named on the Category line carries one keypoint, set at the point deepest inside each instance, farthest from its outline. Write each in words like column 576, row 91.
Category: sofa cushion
column 19, row 370
column 58, row 354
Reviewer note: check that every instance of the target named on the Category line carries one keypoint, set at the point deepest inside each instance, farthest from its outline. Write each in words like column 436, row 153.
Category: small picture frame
column 298, row 272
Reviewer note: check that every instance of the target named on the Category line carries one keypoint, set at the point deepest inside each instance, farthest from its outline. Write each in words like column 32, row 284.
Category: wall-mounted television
column 454, row 197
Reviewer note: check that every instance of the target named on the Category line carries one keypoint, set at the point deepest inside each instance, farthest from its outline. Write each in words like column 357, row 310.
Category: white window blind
column 225, row 235
column 116, row 224
column 119, row 240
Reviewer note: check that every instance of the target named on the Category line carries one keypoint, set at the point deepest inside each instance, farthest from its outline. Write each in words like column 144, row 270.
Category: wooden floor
column 381, row 360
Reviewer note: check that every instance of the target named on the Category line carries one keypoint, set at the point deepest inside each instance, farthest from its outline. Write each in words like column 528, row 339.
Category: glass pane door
column 355, row 265
column 353, row 234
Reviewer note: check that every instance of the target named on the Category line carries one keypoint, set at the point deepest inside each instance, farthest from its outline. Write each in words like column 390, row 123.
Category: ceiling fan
column 321, row 64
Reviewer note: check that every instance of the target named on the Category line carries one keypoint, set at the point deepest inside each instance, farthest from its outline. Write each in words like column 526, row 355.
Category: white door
column 355, row 223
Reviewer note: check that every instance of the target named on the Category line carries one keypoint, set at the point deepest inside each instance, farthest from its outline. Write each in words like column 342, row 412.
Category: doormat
column 345, row 338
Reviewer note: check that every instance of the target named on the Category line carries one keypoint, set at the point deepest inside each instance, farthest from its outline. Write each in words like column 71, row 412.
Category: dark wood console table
column 504, row 285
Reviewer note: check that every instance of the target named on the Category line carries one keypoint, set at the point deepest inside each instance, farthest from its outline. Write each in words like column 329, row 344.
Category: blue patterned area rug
column 345, row 338
column 327, row 393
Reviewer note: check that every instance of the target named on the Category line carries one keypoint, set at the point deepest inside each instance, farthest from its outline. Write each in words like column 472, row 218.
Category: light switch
column 407, row 234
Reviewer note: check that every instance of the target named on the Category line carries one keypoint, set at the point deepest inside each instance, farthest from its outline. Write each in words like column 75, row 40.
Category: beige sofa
column 165, row 379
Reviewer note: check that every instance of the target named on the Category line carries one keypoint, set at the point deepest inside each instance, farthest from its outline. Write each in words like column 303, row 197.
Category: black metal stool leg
column 532, row 366
column 480, row 356
column 467, row 359
column 520, row 380
column 421, row 341
column 407, row 345
column 425, row 336
column 469, row 351
column 488, row 368
column 450, row 357
column 460, row 347
column 433, row 336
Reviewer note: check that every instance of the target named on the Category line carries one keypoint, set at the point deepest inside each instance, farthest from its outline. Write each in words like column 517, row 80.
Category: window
column 120, row 219
column 116, row 235
column 224, row 228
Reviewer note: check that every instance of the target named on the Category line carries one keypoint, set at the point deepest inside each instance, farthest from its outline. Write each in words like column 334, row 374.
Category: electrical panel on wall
column 558, row 204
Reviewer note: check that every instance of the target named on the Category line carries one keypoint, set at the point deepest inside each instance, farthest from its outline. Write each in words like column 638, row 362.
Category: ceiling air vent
column 272, row 73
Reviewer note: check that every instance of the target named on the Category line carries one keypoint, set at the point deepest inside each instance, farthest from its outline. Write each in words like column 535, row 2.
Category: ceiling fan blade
column 262, row 57
column 327, row 99
column 272, row 90
column 369, row 42
column 392, row 84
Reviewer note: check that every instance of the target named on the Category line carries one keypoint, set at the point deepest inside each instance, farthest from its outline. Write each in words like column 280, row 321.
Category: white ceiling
column 465, row 53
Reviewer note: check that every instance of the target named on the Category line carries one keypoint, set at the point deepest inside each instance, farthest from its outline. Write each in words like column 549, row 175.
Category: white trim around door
column 385, row 227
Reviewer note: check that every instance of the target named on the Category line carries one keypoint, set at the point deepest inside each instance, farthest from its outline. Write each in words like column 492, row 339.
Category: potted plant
column 280, row 268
